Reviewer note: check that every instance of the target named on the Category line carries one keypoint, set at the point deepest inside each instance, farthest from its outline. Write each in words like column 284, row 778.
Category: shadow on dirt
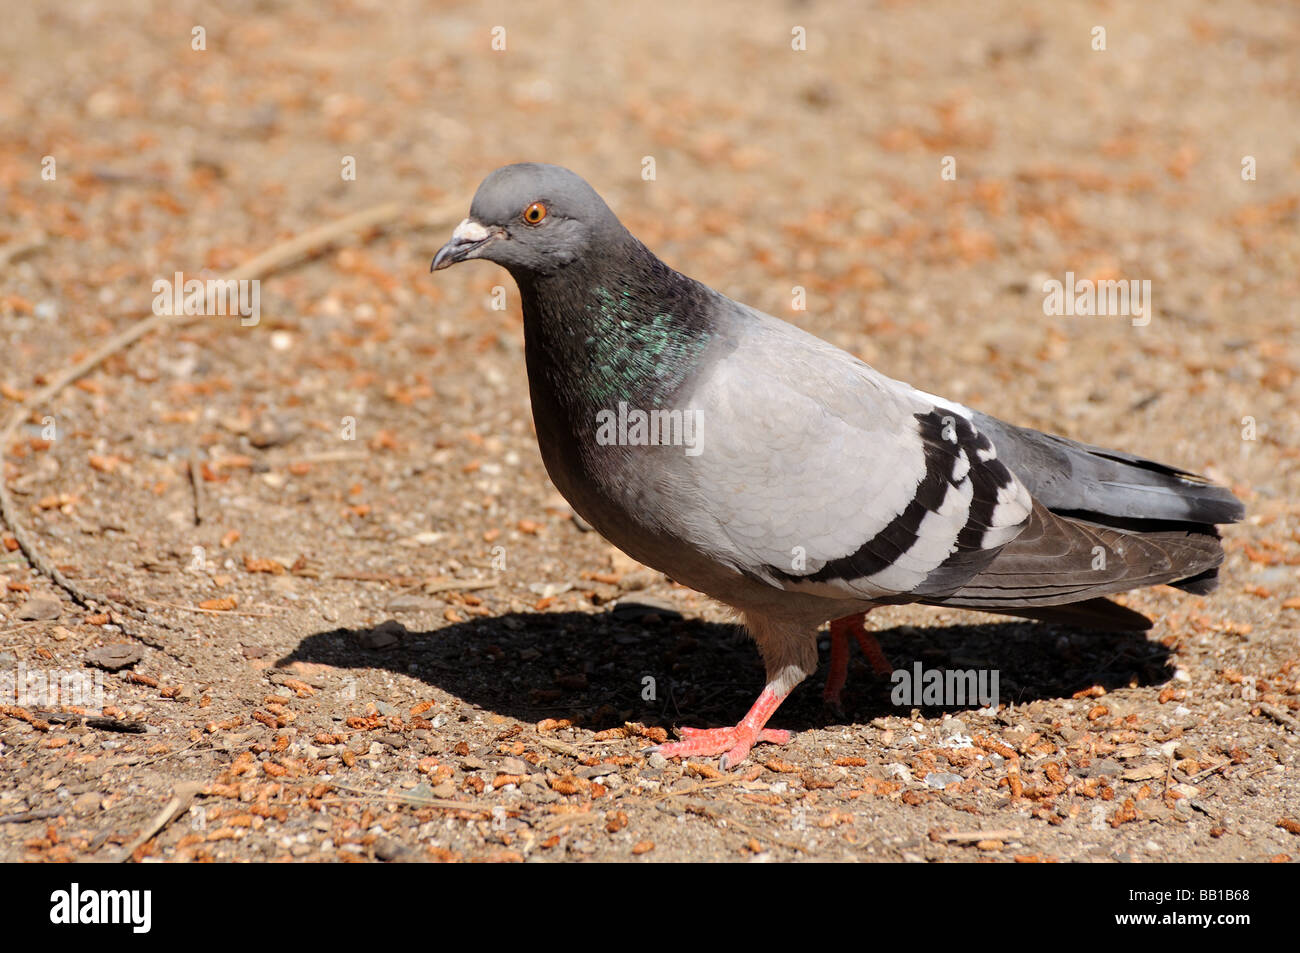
column 602, row 669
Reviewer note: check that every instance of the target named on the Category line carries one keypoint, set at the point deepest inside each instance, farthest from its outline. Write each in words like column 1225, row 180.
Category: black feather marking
column 988, row 479
column 947, row 439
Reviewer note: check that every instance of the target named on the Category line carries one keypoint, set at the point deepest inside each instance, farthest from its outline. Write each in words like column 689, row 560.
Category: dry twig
column 182, row 797
column 1281, row 717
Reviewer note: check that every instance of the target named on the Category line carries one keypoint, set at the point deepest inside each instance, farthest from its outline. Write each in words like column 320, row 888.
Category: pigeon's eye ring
column 534, row 214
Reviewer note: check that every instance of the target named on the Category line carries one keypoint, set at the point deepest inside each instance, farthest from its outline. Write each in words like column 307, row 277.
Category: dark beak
column 465, row 243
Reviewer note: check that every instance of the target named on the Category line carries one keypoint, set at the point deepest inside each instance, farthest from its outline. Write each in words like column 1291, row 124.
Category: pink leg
column 880, row 663
column 841, row 629
column 732, row 743
column 839, row 673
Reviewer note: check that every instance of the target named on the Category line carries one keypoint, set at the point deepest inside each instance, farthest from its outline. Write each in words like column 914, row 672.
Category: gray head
column 532, row 219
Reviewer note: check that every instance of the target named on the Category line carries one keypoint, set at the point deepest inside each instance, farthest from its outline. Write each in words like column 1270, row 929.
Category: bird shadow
column 602, row 669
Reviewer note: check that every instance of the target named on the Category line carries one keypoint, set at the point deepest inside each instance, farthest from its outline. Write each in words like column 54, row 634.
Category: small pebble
column 941, row 779
column 40, row 607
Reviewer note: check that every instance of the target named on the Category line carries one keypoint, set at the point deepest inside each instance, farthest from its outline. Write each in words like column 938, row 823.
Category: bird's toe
column 733, row 744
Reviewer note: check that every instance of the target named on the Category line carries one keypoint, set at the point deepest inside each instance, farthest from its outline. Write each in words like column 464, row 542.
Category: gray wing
column 823, row 476
column 1104, row 522
column 1058, row 560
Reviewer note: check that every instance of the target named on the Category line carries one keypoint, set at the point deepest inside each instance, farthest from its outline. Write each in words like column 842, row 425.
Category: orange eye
column 534, row 214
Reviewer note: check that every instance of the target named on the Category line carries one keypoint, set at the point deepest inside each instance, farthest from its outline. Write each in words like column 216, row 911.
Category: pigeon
column 758, row 464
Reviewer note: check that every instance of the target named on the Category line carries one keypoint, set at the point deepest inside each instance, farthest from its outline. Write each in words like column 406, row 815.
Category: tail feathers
column 1058, row 560
column 1067, row 476
column 1100, row 614
column 1201, row 584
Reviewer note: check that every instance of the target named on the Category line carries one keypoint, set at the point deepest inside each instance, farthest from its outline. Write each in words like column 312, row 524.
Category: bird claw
column 695, row 732
column 732, row 744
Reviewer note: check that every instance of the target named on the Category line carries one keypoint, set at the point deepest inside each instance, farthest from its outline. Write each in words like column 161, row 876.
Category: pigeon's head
column 532, row 219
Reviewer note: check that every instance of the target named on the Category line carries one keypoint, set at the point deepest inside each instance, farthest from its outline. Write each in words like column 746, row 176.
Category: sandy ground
column 385, row 637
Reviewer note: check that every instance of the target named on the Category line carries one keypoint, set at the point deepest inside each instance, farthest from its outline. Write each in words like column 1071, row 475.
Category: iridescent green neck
column 636, row 351
column 632, row 331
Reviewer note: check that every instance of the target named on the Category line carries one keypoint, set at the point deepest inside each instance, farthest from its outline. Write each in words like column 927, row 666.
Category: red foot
column 841, row 629
column 732, row 743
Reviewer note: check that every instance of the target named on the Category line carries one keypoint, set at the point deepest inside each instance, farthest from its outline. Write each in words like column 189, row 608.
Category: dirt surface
column 386, row 638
